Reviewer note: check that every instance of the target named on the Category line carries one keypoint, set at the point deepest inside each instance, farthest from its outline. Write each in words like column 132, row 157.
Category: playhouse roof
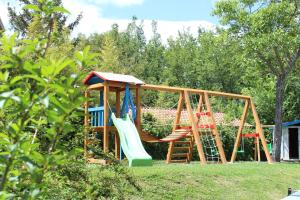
column 99, row 77
column 293, row 123
column 287, row 124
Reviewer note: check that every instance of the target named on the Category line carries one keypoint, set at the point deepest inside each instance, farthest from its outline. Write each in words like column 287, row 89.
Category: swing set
column 201, row 131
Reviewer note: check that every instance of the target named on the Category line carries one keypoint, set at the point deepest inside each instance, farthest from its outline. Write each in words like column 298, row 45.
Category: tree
column 21, row 21
column 35, row 96
column 131, row 44
column 110, row 52
column 220, row 58
column 269, row 31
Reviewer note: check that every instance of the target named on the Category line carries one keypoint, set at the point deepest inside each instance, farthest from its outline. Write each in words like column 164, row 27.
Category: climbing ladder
column 203, row 132
column 181, row 150
column 209, row 134
column 206, row 125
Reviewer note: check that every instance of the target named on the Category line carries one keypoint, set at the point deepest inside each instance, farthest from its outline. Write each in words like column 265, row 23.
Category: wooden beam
column 118, row 103
column 215, row 130
column 118, row 111
column 260, row 132
column 106, row 117
column 194, row 128
column 96, row 86
column 120, row 84
column 257, row 148
column 239, row 134
column 176, row 122
column 200, row 103
column 178, row 89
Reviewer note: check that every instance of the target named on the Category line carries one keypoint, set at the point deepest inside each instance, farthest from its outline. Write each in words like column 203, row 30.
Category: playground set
column 123, row 122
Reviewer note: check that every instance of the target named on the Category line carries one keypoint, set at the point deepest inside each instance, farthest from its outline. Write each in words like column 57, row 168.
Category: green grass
column 231, row 181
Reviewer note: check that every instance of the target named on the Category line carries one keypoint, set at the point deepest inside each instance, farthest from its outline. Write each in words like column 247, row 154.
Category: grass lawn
column 231, row 181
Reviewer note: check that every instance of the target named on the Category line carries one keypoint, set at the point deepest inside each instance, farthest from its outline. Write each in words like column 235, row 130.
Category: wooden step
column 181, row 148
column 182, row 130
column 178, row 161
column 180, row 155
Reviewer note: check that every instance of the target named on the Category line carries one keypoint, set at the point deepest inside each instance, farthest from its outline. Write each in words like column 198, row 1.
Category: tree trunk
column 278, row 118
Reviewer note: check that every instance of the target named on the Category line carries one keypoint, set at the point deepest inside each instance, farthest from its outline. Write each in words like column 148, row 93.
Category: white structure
column 290, row 143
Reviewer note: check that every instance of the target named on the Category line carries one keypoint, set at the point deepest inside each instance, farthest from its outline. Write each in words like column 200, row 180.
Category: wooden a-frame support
column 184, row 98
column 215, row 130
column 258, row 128
column 195, row 131
column 204, row 99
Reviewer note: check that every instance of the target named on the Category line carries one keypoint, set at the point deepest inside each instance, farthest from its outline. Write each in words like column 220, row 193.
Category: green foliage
column 42, row 14
column 77, row 180
column 271, row 25
column 153, row 127
column 35, row 95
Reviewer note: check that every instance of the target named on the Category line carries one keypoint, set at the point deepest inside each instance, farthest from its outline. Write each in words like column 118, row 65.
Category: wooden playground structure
column 182, row 138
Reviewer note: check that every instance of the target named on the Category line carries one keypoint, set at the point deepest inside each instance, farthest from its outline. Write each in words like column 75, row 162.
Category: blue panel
column 94, row 118
column 99, row 118
column 297, row 122
column 94, row 79
column 102, row 118
column 96, row 109
column 101, row 98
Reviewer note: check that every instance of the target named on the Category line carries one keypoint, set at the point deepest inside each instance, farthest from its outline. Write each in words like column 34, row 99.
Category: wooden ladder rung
column 181, row 148
column 182, row 130
column 180, row 155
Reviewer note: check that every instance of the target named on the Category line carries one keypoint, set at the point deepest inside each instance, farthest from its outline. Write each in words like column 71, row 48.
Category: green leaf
column 32, row 7
column 61, row 10
column 37, row 157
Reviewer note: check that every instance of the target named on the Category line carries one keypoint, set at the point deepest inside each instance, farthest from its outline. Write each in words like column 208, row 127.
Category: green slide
column 131, row 142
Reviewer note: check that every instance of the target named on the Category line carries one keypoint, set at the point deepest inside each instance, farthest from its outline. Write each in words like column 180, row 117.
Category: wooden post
column 176, row 122
column 215, row 130
column 118, row 103
column 138, row 109
column 194, row 128
column 258, row 149
column 260, row 132
column 255, row 149
column 118, row 110
column 86, row 121
column 106, row 117
column 239, row 134
column 199, row 108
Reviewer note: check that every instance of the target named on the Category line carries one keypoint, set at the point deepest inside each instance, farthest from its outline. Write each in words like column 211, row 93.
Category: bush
column 78, row 180
column 156, row 150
